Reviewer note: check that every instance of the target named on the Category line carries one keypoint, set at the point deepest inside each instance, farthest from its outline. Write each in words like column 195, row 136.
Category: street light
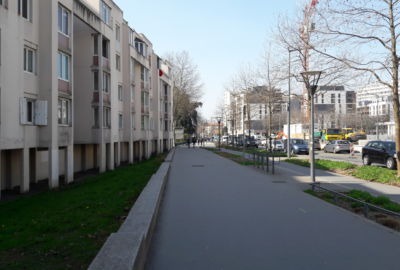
column 219, row 118
column 311, row 78
column 288, row 109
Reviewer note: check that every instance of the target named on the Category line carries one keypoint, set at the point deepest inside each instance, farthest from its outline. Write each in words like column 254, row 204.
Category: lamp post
column 311, row 78
column 219, row 118
column 288, row 110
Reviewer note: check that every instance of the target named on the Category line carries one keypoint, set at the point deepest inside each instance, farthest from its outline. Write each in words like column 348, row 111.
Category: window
column 95, row 45
column 119, row 92
column 62, row 21
column 95, row 117
column 95, row 81
column 29, row 111
column 141, row 47
column 145, row 99
column 166, row 90
column 322, row 99
column 63, row 62
column 118, row 62
column 117, row 33
column 133, row 120
column 144, row 74
column 132, row 66
column 106, row 118
column 24, row 7
column 106, row 83
column 63, row 111
column 145, row 122
column 151, row 104
column 105, row 49
column 166, row 107
column 29, row 60
column 161, row 105
column 131, row 37
column 166, row 125
column 120, row 121
column 161, row 127
column 338, row 98
column 105, row 13
column 132, row 93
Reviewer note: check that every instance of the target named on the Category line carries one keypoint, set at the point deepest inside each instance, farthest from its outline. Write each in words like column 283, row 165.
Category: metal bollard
column 254, row 159
column 273, row 164
column 262, row 161
column 366, row 209
column 258, row 161
column 335, row 197
column 267, row 162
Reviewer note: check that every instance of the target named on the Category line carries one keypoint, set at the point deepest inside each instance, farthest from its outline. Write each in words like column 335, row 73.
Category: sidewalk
column 216, row 214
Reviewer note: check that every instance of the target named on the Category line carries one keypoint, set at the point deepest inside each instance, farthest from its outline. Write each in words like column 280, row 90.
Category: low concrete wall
column 127, row 249
column 170, row 155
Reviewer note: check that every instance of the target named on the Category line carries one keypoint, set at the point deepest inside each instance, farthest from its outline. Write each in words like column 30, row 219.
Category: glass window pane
column 59, row 65
column 95, row 45
column 96, row 81
column 59, row 19
column 65, row 67
column 25, row 9
column 25, row 56
column 30, row 61
column 65, row 22
column 64, row 112
column 59, row 111
column 96, row 117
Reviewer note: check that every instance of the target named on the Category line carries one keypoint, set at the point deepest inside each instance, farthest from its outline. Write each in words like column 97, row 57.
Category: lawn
column 65, row 228
column 369, row 173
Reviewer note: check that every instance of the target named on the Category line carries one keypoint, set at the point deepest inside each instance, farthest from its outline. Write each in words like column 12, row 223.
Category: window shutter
column 41, row 112
column 22, row 108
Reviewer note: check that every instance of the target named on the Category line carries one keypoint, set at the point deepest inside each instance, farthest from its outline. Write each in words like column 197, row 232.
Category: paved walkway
column 226, row 216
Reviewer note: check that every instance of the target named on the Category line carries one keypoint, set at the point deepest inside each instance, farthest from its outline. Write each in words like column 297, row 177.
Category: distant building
column 376, row 100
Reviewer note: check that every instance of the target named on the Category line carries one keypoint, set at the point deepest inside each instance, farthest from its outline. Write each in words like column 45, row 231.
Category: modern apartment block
column 80, row 89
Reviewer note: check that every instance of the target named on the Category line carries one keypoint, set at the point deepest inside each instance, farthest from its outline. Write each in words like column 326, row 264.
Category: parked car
column 297, row 146
column 337, row 146
column 258, row 141
column 276, row 145
column 317, row 144
column 382, row 152
column 263, row 142
column 251, row 143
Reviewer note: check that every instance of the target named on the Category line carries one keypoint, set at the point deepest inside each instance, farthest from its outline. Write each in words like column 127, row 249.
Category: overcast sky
column 218, row 34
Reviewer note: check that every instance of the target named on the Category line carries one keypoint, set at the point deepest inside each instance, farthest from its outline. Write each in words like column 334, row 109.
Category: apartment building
column 376, row 100
column 80, row 89
column 234, row 103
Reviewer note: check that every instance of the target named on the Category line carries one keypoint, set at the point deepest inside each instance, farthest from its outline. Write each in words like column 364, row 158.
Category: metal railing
column 265, row 159
column 365, row 204
column 384, row 137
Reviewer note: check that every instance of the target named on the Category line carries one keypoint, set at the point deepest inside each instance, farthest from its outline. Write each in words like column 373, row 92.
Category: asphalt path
column 217, row 214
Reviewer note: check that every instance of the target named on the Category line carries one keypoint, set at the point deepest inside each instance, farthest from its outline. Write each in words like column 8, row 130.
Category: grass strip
column 369, row 173
column 66, row 228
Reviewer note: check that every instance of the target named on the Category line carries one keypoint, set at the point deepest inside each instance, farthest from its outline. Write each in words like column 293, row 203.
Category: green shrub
column 329, row 195
column 391, row 207
column 356, row 205
column 309, row 191
column 380, row 200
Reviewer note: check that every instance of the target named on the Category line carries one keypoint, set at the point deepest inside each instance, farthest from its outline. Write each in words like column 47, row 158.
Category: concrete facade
column 69, row 99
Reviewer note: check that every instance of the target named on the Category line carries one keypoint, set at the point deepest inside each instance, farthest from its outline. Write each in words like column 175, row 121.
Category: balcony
column 106, row 64
column 132, row 79
column 145, row 109
column 145, row 86
column 167, row 98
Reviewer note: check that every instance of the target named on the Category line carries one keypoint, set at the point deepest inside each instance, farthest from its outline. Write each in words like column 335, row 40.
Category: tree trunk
column 395, row 71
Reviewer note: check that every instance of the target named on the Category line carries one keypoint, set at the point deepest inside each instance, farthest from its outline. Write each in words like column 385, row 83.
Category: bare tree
column 363, row 35
column 187, row 90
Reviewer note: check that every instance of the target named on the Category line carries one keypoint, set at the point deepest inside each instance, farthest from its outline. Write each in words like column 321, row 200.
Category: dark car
column 251, row 143
column 297, row 146
column 382, row 152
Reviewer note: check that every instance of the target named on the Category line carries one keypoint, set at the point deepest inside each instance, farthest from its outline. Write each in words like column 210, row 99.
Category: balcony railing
column 145, row 109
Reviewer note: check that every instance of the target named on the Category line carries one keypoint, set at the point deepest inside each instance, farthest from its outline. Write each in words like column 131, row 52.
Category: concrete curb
column 170, row 155
column 127, row 249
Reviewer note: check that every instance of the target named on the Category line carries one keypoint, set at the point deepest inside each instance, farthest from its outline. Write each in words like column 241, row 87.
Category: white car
column 263, row 142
